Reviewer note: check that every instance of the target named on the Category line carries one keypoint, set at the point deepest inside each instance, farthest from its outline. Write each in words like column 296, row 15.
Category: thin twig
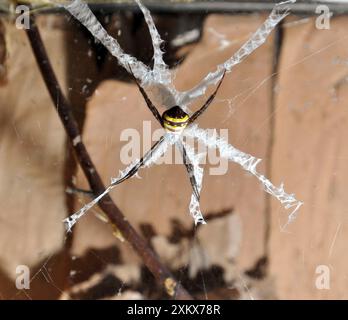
column 116, row 217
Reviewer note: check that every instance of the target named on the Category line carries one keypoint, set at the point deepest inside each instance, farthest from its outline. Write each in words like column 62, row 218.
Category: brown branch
column 62, row 106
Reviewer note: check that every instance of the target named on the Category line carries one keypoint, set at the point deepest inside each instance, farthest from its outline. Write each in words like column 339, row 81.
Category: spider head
column 175, row 119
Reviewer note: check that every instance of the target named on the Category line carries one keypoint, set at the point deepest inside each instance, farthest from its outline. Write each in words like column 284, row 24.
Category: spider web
column 161, row 77
column 146, row 81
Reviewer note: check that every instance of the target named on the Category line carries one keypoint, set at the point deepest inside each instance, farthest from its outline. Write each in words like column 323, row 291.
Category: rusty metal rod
column 201, row 7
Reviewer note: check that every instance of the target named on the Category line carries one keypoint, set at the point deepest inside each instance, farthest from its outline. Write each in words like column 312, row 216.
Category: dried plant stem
column 116, row 217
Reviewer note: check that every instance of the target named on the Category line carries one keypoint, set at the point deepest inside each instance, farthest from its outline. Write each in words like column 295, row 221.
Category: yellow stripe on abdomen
column 173, row 128
column 176, row 120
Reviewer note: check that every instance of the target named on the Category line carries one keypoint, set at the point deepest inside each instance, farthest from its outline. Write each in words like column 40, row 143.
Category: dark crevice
column 108, row 286
column 92, row 262
column 259, row 270
column 179, row 231
column 213, row 286
column 278, row 39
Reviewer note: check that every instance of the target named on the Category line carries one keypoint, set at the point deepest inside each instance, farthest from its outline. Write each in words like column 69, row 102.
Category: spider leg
column 73, row 190
column 189, row 168
column 199, row 112
column 149, row 103
column 139, row 163
column 148, row 159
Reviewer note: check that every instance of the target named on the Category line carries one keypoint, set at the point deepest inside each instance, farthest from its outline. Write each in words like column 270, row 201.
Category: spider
column 176, row 120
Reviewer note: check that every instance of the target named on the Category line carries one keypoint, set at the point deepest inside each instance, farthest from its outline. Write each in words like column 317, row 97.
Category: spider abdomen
column 175, row 119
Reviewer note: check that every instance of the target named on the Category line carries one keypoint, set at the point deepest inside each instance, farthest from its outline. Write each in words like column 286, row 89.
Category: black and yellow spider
column 173, row 120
